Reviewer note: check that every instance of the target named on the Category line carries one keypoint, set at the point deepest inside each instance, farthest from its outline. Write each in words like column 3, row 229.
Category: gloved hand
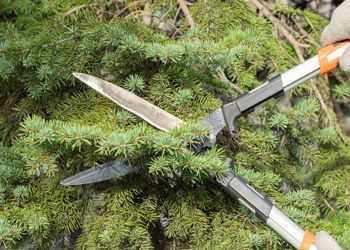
column 323, row 241
column 339, row 29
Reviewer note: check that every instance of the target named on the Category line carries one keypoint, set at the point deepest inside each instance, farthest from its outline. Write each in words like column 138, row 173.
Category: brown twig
column 134, row 13
column 127, row 7
column 187, row 13
column 341, row 117
column 342, row 101
column 147, row 13
column 45, row 46
column 292, row 31
column 328, row 205
column 339, row 77
column 177, row 14
column 124, row 9
column 177, row 30
column 267, row 13
column 224, row 78
column 77, row 8
column 167, row 12
column 296, row 45
column 321, row 101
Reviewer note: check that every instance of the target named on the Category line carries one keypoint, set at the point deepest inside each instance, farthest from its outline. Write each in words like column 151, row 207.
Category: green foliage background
column 52, row 126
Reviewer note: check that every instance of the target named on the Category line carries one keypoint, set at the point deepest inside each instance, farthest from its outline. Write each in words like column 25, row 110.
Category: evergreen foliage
column 52, row 126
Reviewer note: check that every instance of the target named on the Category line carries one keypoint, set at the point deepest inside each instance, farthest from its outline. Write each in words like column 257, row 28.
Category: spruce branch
column 78, row 128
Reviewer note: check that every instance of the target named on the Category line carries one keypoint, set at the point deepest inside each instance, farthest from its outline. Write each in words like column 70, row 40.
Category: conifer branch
column 77, row 128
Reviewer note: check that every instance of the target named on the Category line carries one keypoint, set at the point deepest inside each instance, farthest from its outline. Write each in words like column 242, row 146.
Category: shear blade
column 107, row 171
column 131, row 102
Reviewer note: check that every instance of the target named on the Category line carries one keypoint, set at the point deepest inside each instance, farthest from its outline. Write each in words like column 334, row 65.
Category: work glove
column 338, row 30
column 323, row 241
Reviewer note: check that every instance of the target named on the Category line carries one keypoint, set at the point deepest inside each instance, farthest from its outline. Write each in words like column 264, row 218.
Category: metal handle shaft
column 263, row 208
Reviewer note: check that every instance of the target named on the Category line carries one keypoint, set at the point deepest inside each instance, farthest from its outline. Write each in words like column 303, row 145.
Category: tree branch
column 187, row 13
column 224, row 78
column 77, row 8
column 267, row 13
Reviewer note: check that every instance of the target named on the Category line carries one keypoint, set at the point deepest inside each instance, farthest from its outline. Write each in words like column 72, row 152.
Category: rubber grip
column 246, row 103
column 329, row 58
column 248, row 196
column 308, row 240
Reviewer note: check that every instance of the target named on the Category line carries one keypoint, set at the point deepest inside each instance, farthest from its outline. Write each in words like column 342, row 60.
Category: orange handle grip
column 308, row 240
column 329, row 58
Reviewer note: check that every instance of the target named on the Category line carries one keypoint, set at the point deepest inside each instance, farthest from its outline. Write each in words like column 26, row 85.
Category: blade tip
column 77, row 74
column 67, row 182
column 91, row 81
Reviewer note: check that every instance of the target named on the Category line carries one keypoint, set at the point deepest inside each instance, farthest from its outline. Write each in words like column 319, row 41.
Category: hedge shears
column 226, row 116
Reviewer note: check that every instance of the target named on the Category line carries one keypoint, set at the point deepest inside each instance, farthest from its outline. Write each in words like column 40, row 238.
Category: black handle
column 246, row 103
column 248, row 196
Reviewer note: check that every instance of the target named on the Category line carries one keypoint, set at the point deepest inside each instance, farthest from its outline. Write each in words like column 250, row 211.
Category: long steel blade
column 127, row 100
column 107, row 171
column 147, row 111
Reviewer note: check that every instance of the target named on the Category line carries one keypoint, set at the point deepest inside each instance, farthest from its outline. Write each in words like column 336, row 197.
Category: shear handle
column 329, row 56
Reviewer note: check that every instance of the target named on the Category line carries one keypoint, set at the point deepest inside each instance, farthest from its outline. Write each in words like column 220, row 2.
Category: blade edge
column 152, row 114
column 215, row 121
column 106, row 171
